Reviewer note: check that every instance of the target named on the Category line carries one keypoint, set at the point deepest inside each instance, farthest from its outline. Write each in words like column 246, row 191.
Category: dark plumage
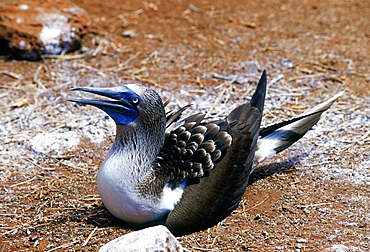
column 186, row 174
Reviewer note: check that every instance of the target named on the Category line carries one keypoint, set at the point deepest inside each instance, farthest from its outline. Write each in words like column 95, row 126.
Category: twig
column 363, row 137
column 313, row 205
column 248, row 209
column 24, row 182
column 275, row 80
column 63, row 246
column 218, row 99
column 227, row 78
column 13, row 75
column 150, row 81
column 89, row 237
column 306, row 76
column 197, row 248
column 14, row 230
column 195, row 9
column 132, row 57
column 36, row 78
column 90, row 197
column 321, row 163
column 33, row 161
column 68, row 57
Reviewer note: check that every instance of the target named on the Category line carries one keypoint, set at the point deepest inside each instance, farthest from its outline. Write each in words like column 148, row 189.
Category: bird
column 185, row 173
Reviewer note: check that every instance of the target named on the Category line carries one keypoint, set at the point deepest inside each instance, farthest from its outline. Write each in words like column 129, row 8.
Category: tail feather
column 257, row 101
column 258, row 98
column 276, row 138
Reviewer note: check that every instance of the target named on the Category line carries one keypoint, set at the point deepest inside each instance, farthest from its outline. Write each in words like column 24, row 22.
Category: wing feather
column 193, row 147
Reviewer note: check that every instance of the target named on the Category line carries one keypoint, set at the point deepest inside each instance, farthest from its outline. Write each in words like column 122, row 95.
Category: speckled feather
column 192, row 149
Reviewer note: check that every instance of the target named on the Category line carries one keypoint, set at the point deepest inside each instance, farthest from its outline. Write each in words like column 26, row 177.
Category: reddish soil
column 165, row 44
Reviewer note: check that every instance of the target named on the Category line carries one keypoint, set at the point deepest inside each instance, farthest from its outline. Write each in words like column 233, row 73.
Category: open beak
column 121, row 108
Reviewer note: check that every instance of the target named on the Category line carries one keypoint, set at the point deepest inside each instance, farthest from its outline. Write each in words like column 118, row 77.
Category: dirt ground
column 312, row 197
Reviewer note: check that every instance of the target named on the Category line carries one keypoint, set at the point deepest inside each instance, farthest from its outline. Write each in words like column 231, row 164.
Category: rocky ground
column 312, row 197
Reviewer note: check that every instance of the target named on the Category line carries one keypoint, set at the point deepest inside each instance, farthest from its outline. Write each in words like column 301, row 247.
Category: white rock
column 157, row 238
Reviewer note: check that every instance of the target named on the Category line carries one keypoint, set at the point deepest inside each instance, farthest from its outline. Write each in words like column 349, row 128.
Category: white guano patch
column 57, row 142
column 55, row 30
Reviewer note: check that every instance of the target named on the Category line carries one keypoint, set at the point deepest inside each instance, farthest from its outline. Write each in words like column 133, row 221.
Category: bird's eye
column 135, row 100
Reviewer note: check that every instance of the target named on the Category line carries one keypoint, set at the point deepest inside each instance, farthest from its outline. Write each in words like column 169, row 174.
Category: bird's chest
column 118, row 189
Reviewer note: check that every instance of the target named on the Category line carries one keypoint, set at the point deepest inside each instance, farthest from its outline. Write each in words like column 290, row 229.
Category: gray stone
column 157, row 238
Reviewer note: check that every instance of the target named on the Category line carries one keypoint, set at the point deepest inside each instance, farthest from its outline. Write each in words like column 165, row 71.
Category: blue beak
column 123, row 109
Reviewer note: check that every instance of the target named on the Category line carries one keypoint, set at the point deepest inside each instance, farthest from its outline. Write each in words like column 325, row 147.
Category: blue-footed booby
column 187, row 174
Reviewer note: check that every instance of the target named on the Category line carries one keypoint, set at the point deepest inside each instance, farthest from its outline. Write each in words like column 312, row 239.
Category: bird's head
column 128, row 103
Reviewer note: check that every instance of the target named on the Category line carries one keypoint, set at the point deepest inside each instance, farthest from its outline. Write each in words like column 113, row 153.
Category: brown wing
column 211, row 199
column 193, row 148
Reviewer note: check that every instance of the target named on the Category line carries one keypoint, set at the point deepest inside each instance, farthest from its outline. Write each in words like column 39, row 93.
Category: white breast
column 116, row 186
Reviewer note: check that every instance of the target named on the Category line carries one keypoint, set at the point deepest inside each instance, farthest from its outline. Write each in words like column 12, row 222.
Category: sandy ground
column 312, row 197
